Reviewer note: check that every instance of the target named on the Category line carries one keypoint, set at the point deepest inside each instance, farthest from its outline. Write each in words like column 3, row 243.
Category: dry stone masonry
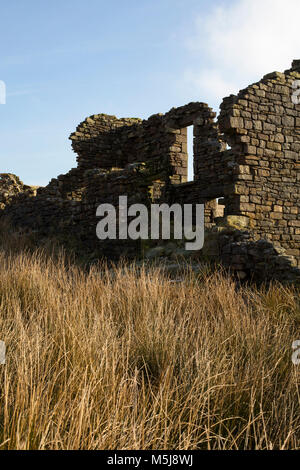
column 246, row 172
column 11, row 186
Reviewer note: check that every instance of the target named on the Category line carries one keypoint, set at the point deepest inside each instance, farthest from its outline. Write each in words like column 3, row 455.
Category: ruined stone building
column 246, row 164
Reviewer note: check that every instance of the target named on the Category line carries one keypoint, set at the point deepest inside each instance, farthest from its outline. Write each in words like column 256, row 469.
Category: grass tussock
column 127, row 359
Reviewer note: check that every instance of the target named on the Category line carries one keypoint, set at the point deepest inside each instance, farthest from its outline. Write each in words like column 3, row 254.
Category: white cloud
column 210, row 81
column 240, row 42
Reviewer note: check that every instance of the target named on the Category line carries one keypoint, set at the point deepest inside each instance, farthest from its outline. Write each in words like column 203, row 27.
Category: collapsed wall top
column 103, row 141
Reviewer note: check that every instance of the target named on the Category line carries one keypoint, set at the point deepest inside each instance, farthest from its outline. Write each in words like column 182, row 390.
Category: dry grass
column 126, row 359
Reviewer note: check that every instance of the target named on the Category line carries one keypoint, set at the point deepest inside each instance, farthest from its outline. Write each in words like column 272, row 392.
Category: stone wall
column 106, row 142
column 249, row 158
column 66, row 208
column 10, row 187
column 262, row 125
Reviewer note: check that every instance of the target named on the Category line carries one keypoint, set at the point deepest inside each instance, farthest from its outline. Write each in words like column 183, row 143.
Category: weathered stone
column 249, row 157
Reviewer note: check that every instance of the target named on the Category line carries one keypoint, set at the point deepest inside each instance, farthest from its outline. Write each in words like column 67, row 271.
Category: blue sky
column 65, row 60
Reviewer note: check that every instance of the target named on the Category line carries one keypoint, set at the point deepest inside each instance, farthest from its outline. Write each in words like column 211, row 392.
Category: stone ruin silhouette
column 246, row 172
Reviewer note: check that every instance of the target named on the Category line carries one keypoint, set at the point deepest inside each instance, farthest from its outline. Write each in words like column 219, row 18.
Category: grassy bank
column 129, row 359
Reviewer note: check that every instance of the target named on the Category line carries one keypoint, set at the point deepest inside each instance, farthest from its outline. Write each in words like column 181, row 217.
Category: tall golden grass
column 125, row 358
